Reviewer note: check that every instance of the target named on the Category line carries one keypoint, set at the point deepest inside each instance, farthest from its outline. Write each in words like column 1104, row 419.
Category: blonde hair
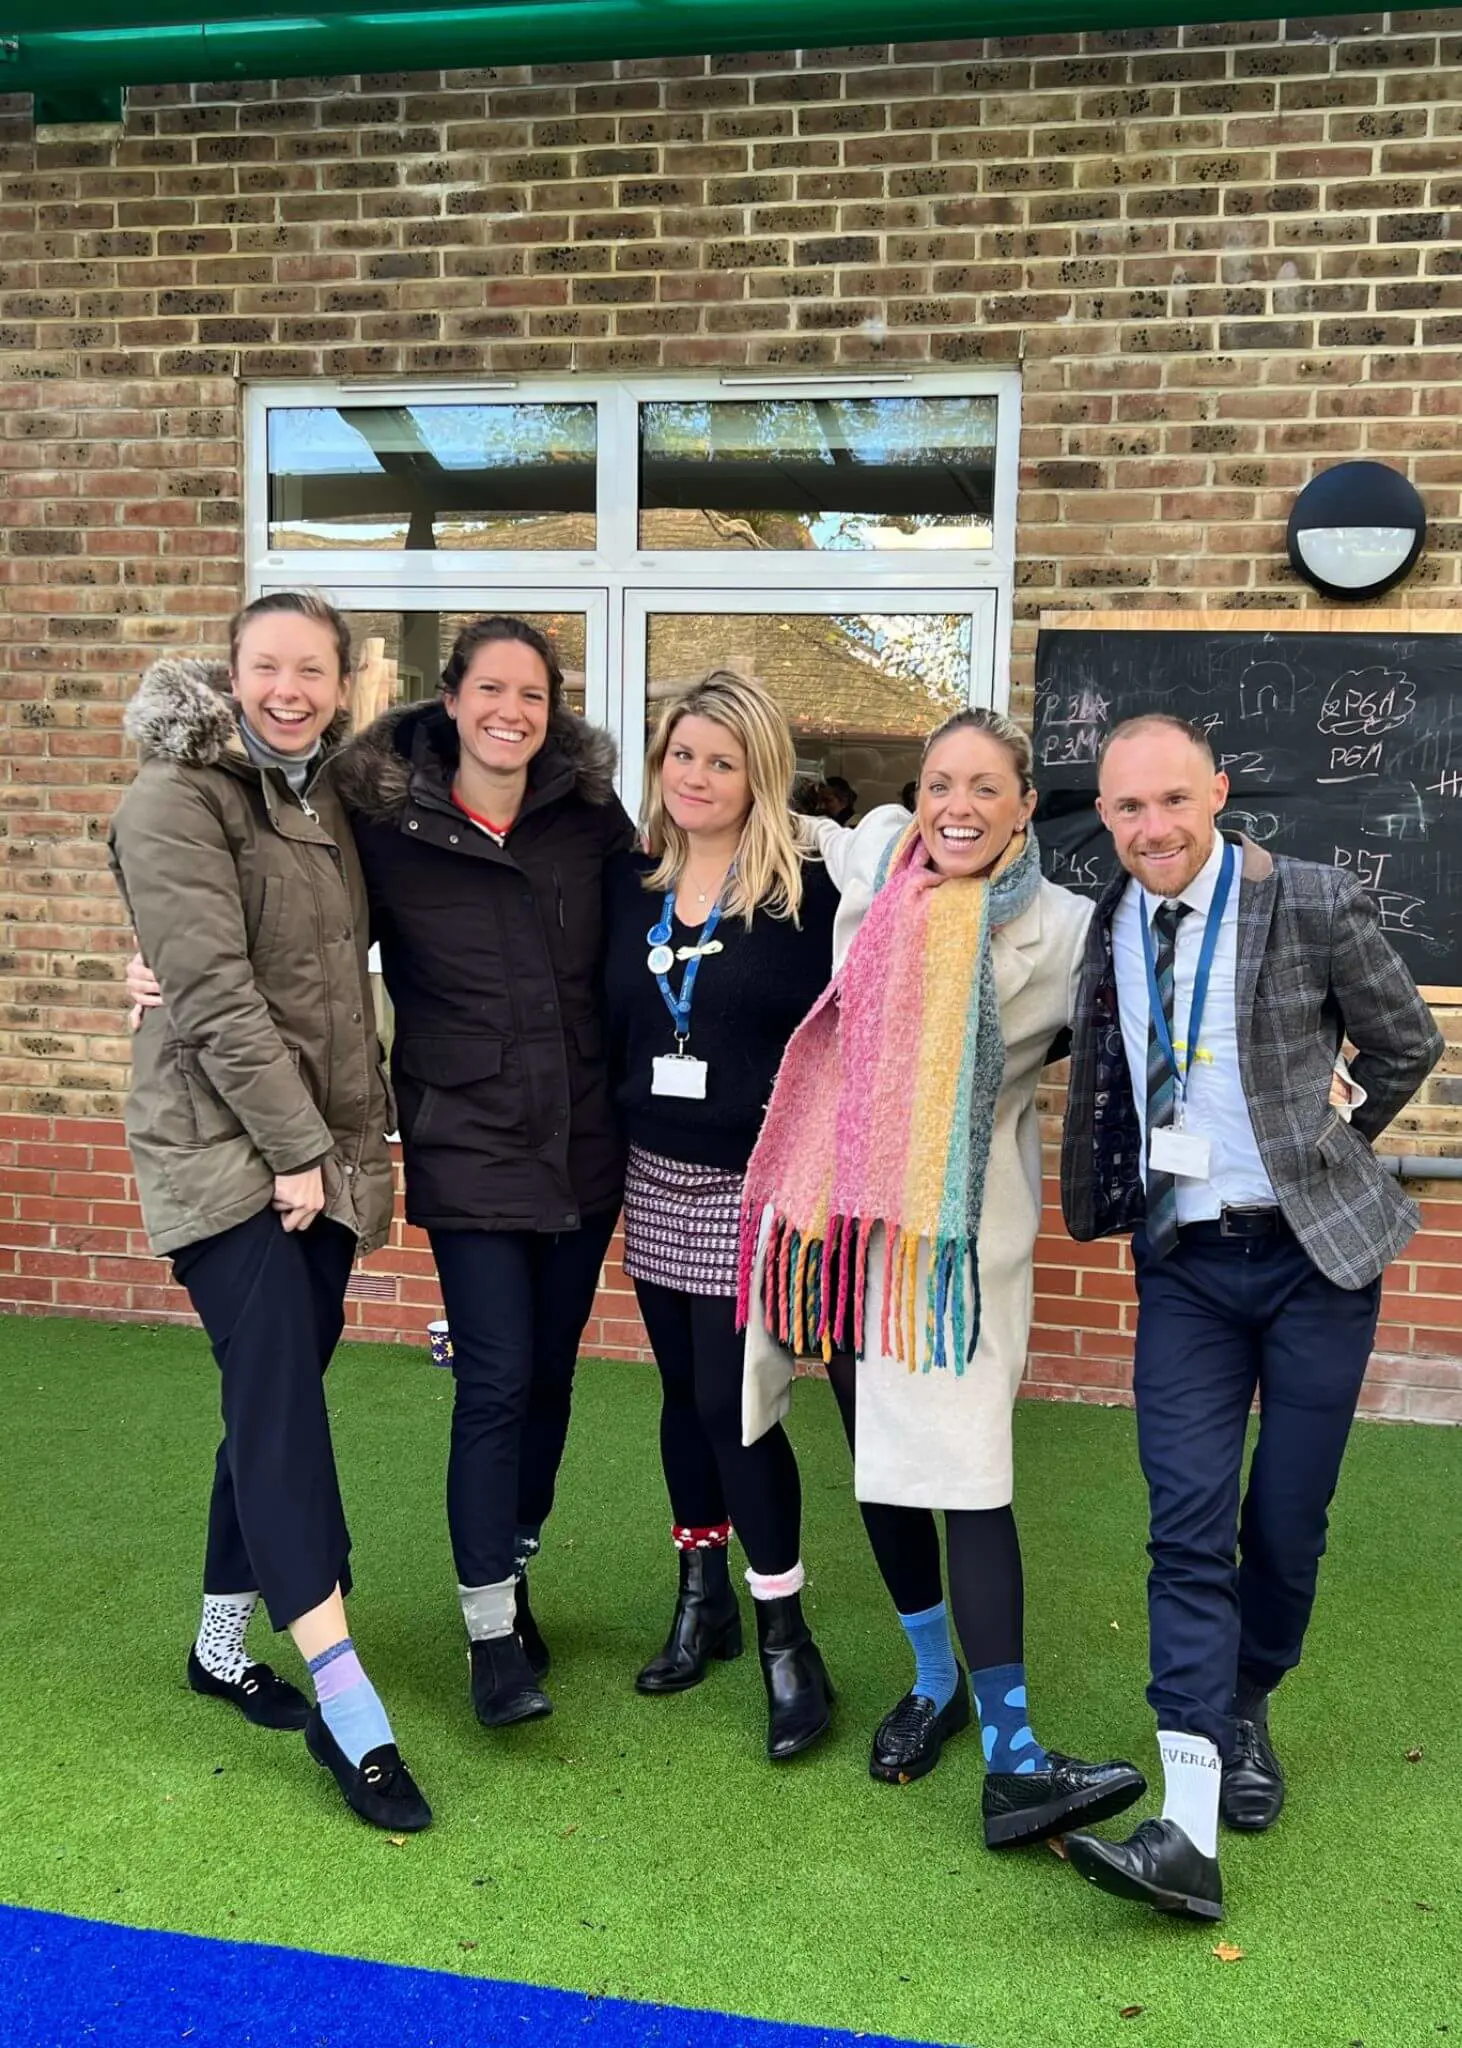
column 769, row 859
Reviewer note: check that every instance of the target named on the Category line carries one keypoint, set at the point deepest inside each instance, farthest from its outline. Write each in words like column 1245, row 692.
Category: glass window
column 513, row 476
column 821, row 473
column 399, row 655
column 861, row 690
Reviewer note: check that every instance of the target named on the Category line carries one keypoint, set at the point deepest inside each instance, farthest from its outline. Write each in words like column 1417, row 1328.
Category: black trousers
column 273, row 1304
column 1218, row 1319
column 986, row 1578
column 710, row 1474
column 517, row 1302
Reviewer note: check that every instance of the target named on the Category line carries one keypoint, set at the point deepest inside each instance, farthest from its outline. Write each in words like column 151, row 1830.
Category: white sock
column 776, row 1585
column 220, row 1645
column 488, row 1610
column 1190, row 1770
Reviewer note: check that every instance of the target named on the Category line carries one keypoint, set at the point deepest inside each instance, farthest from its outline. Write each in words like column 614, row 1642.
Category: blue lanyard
column 1200, row 980
column 659, row 935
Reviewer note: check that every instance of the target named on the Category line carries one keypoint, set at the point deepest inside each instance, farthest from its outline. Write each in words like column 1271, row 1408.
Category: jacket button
column 355, row 1016
column 359, row 1100
column 571, row 1220
column 451, row 839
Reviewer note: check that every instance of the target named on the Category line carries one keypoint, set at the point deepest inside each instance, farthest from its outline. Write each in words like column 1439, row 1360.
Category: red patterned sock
column 714, row 1538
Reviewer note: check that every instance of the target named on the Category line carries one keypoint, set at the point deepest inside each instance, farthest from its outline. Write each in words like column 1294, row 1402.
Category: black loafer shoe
column 379, row 1788
column 261, row 1695
column 909, row 1739
column 504, row 1690
column 1029, row 1806
column 1158, row 1865
column 529, row 1635
column 1252, row 1790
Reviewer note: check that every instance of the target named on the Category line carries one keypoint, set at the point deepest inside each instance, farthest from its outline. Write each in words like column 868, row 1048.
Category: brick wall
column 1221, row 256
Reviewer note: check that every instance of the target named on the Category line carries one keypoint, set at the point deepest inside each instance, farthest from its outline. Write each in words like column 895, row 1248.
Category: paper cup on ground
column 439, row 1337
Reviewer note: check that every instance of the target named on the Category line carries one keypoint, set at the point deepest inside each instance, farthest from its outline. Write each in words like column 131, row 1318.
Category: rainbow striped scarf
column 881, row 1115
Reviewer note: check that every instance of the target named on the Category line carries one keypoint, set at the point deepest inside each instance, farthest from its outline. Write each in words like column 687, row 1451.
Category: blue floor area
column 68, row 1983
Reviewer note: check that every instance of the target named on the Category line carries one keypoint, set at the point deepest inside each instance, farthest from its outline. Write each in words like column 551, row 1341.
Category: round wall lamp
column 1356, row 529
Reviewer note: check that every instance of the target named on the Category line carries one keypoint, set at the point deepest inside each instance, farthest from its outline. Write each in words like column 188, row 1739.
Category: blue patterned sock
column 348, row 1701
column 1004, row 1721
column 935, row 1672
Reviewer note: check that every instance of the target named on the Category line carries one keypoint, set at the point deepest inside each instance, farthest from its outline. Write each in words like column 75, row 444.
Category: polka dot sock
column 220, row 1645
column 1005, row 1725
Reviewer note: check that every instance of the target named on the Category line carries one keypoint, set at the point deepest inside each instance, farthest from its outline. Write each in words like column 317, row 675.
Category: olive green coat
column 250, row 909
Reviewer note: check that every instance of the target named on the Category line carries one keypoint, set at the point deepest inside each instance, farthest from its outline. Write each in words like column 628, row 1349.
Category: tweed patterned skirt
column 681, row 1224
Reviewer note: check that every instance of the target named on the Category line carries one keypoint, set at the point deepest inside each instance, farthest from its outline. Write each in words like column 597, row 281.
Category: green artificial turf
column 642, row 1847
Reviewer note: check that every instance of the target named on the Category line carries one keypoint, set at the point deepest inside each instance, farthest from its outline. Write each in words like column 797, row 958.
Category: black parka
column 492, row 957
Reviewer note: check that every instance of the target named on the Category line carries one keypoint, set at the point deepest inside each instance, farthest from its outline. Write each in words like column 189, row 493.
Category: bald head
column 1160, row 795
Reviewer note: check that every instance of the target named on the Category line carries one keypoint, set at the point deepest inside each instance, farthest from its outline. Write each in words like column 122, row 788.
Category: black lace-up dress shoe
column 261, row 1695
column 1251, row 1793
column 379, row 1788
column 911, row 1736
column 1158, row 1866
column 1029, row 1806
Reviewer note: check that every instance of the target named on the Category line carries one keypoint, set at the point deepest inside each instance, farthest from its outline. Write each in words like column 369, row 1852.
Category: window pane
column 432, row 476
column 861, row 690
column 833, row 473
column 399, row 655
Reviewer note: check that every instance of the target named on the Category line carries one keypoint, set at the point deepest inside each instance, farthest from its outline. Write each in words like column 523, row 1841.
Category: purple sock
column 348, row 1701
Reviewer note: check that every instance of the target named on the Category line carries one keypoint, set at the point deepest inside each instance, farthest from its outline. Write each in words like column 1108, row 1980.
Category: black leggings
column 986, row 1588
column 710, row 1474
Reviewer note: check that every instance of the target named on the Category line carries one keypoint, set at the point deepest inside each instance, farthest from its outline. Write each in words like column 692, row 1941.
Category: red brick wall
column 71, row 1243
column 1220, row 255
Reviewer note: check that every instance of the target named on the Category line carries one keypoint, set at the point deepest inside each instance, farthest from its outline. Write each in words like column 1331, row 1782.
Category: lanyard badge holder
column 1173, row 1148
column 679, row 1073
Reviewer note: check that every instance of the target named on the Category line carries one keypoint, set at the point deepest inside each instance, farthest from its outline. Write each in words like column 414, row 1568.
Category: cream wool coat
column 942, row 1439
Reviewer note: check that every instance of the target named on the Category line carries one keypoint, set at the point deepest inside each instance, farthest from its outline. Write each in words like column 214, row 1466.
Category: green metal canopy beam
column 327, row 40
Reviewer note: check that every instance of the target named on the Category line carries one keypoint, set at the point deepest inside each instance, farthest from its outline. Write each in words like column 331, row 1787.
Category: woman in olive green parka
column 257, row 1122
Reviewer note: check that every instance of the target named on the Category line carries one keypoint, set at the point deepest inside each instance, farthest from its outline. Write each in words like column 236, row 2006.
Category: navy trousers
column 1230, row 1589
column 517, row 1302
column 273, row 1303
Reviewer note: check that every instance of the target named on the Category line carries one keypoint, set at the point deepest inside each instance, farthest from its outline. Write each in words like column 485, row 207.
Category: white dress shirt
column 1216, row 1108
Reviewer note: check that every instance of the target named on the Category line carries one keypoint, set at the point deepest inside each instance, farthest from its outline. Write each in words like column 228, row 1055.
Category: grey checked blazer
column 1313, row 969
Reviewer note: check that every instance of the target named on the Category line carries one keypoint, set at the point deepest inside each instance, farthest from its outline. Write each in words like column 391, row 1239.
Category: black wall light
column 1356, row 529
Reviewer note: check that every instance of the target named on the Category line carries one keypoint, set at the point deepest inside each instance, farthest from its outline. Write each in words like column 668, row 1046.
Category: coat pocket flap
column 451, row 1062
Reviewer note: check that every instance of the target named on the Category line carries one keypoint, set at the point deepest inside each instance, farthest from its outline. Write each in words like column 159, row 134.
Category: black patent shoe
column 799, row 1692
column 261, row 1695
column 706, row 1624
column 529, row 1634
column 379, row 1788
column 1158, row 1866
column 1029, row 1806
column 1251, row 1792
column 504, row 1690
column 910, row 1738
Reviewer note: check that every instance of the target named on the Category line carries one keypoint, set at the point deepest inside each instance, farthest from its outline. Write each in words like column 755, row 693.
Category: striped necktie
column 1162, row 1088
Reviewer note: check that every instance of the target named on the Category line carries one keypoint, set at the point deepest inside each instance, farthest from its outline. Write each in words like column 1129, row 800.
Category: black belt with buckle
column 1237, row 1223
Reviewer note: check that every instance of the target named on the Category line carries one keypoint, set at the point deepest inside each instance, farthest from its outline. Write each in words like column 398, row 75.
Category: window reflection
column 399, row 655
column 820, row 473
column 424, row 477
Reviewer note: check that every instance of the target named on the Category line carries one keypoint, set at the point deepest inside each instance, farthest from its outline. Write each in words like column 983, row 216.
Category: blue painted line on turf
column 70, row 1983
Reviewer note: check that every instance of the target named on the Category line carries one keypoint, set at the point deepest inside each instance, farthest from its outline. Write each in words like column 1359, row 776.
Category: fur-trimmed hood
column 373, row 773
column 184, row 711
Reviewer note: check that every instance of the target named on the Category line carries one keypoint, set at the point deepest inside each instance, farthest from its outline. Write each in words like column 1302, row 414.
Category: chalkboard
column 1342, row 742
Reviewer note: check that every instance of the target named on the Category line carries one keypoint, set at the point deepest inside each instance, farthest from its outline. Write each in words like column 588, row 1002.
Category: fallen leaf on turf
column 1227, row 1953
column 564, row 1833
column 466, row 1944
column 1130, row 2012
column 1413, row 1756
column 1118, row 1627
column 1057, row 1846
column 397, row 1841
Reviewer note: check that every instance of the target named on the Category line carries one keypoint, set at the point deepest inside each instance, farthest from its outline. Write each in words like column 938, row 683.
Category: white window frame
column 978, row 580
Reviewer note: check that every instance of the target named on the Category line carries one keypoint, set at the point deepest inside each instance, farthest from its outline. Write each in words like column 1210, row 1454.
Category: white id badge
column 1183, row 1153
column 678, row 1073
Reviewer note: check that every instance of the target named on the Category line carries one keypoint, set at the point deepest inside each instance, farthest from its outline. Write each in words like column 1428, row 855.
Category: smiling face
column 971, row 803
column 1160, row 796
column 288, row 679
column 704, row 784
column 501, row 706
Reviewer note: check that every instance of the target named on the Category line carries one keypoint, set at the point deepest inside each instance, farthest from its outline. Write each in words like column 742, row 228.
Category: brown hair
column 306, row 604
column 484, row 633
column 1004, row 731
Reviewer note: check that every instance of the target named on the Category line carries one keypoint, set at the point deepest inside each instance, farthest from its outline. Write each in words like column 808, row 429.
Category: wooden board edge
column 1445, row 997
column 1330, row 621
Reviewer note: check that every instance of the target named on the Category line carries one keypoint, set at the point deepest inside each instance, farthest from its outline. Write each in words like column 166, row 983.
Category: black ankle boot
column 706, row 1624
column 528, row 1632
column 799, row 1693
